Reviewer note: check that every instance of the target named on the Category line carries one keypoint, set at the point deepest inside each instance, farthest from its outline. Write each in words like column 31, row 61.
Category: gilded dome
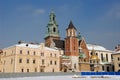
column 95, row 57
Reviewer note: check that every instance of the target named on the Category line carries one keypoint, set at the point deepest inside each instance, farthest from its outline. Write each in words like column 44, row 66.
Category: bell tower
column 52, row 30
column 71, row 46
column 71, row 41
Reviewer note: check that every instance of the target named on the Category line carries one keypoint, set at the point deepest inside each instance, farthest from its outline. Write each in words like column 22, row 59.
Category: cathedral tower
column 52, row 30
column 71, row 46
column 71, row 41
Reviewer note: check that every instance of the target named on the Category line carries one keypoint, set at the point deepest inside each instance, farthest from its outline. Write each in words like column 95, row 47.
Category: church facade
column 72, row 54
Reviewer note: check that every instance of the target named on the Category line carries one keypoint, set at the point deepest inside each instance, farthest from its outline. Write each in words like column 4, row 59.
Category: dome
column 95, row 47
column 95, row 57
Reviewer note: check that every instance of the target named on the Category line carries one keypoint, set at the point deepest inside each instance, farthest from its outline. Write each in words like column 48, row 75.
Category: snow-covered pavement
column 60, row 78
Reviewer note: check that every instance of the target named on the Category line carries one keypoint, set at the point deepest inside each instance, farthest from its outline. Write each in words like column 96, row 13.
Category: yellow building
column 24, row 57
column 116, row 60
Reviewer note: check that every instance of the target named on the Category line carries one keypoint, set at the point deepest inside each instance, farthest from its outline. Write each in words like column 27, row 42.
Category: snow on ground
column 60, row 78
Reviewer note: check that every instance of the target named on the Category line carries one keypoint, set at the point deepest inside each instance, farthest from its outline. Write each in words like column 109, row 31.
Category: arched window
column 102, row 57
column 53, row 18
column 54, row 29
column 107, row 57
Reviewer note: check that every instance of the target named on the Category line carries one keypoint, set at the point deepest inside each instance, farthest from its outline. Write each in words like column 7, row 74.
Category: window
column 53, row 70
column 28, row 52
column 118, row 59
column 97, row 61
column 50, row 62
column 34, row 61
column 41, row 70
column 27, row 70
column 108, row 69
column 96, row 53
column 50, row 54
column 90, row 61
column 111, row 57
column 20, row 60
column 27, row 60
column 75, row 66
column 119, row 64
column 35, row 69
column 42, row 53
column 103, row 68
column 20, row 51
column 74, row 47
column 55, row 55
column 34, row 52
column 22, row 70
column 106, row 57
column 102, row 57
column 53, row 18
column 91, row 53
column 55, row 62
column 54, row 29
column 42, row 61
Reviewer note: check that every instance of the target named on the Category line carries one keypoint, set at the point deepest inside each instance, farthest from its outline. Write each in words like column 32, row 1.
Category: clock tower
column 52, row 30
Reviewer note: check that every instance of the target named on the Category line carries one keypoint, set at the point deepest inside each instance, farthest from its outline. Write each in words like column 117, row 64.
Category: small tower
column 71, row 46
column 52, row 30
column 94, row 61
column 79, row 36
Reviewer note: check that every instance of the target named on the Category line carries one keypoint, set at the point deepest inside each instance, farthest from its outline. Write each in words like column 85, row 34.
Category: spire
column 79, row 35
column 52, row 26
column 71, row 26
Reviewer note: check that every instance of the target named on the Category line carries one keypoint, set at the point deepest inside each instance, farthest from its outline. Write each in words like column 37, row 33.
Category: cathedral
column 72, row 54
column 76, row 53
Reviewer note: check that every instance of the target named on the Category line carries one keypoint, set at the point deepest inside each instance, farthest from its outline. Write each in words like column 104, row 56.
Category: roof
column 28, row 45
column 71, row 26
column 59, row 44
column 96, row 47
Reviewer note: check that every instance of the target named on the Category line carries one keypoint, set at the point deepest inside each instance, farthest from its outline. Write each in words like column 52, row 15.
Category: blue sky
column 97, row 20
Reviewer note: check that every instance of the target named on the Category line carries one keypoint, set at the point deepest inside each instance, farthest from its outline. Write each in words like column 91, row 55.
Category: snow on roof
column 34, row 46
column 28, row 45
column 95, row 47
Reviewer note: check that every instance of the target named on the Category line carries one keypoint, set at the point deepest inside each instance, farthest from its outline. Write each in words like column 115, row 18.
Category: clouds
column 38, row 11
column 114, row 12
column 30, row 10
